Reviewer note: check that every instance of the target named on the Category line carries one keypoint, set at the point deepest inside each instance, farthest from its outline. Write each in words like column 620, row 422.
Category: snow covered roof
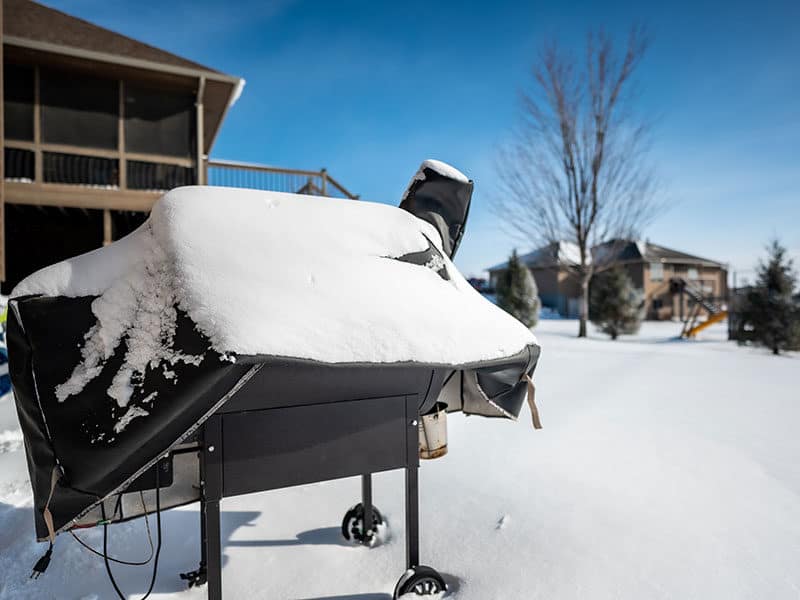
column 635, row 250
column 551, row 255
column 285, row 275
column 566, row 253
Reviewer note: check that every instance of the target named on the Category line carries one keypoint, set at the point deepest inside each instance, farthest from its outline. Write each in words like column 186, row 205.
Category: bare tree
column 575, row 168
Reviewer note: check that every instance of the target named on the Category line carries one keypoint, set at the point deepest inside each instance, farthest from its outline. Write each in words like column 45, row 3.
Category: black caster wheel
column 196, row 578
column 353, row 525
column 420, row 581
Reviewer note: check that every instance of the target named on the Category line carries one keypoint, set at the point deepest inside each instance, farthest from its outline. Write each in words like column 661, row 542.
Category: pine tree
column 615, row 305
column 772, row 314
column 517, row 293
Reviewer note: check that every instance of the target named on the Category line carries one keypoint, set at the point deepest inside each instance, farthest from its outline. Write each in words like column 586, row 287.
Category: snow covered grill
column 295, row 339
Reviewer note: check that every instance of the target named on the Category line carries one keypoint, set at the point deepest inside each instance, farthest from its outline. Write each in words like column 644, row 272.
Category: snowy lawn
column 666, row 469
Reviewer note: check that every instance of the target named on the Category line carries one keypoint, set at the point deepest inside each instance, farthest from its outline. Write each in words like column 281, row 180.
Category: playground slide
column 715, row 318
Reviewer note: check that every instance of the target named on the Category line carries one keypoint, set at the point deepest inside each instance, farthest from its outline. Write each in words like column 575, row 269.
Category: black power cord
column 107, row 559
column 133, row 563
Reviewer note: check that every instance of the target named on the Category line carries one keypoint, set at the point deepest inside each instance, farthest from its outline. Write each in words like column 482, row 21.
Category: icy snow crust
column 277, row 274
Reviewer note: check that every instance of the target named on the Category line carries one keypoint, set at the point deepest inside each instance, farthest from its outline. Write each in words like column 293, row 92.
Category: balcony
column 69, row 176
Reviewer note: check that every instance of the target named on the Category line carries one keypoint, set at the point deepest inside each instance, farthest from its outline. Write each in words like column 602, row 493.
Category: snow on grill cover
column 118, row 355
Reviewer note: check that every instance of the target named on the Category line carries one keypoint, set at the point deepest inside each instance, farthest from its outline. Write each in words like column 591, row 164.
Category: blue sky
column 369, row 89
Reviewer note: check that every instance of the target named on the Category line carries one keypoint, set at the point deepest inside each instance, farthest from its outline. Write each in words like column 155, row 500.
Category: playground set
column 715, row 308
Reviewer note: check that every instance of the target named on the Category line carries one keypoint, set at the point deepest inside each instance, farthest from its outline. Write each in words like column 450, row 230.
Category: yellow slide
column 710, row 321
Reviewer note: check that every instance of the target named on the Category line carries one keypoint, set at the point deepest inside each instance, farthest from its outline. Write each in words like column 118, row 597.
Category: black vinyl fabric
column 431, row 258
column 503, row 385
column 443, row 202
column 77, row 436
column 44, row 339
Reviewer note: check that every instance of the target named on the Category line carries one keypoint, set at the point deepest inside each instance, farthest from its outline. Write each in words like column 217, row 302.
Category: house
column 668, row 278
column 551, row 266
column 95, row 126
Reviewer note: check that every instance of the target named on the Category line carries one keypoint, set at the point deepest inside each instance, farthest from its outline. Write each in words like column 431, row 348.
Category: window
column 18, row 102
column 656, row 271
column 79, row 111
column 159, row 122
column 692, row 274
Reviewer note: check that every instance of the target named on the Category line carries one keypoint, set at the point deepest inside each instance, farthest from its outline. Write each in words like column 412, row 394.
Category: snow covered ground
column 666, row 469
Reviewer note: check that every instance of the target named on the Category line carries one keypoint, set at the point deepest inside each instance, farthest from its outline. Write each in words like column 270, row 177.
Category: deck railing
column 63, row 175
column 262, row 177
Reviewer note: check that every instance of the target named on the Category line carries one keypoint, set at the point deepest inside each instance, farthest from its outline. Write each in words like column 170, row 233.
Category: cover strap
column 537, row 423
column 48, row 517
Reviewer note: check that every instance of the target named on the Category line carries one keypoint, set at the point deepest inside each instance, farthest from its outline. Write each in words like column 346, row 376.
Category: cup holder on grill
column 433, row 432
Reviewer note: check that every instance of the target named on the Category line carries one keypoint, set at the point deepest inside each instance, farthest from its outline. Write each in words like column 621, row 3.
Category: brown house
column 95, row 127
column 668, row 278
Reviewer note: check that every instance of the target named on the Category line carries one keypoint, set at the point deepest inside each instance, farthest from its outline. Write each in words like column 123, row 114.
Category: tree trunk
column 584, row 305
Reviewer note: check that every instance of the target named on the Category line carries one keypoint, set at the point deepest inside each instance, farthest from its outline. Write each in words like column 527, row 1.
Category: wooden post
column 200, row 162
column 108, row 229
column 122, row 163
column 324, row 174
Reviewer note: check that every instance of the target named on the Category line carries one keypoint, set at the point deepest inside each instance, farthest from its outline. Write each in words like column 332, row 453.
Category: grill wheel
column 353, row 525
column 420, row 581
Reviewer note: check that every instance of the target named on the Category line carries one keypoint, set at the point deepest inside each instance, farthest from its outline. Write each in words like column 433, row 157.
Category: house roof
column 566, row 254
column 33, row 21
column 638, row 250
column 551, row 255
column 35, row 28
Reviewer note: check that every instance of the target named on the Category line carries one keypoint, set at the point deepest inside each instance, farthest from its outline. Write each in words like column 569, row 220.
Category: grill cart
column 242, row 341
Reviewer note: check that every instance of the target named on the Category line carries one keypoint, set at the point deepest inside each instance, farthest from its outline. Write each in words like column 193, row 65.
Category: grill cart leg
column 200, row 576
column 418, row 579
column 214, row 550
column 203, row 542
column 210, row 570
column 412, row 517
column 212, row 451
column 366, row 497
column 355, row 520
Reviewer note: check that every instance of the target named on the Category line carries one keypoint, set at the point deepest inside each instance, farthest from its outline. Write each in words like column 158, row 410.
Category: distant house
column 660, row 272
column 550, row 265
